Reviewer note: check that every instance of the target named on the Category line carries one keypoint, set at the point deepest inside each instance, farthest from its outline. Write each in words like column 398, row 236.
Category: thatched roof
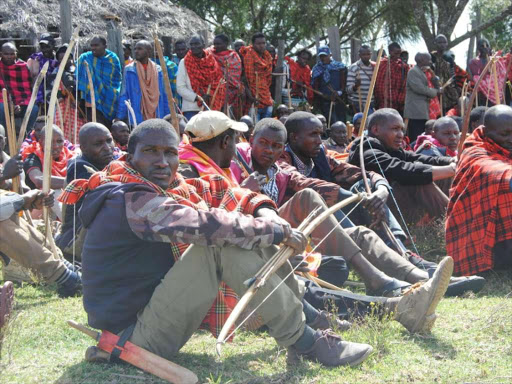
column 29, row 18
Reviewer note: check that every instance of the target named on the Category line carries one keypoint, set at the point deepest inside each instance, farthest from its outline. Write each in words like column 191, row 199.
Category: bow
column 275, row 262
column 91, row 88
column 167, row 84
column 388, row 231
column 47, row 166
column 465, row 126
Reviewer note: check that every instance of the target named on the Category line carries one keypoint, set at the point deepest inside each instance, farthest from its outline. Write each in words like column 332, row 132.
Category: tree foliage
column 499, row 33
column 298, row 22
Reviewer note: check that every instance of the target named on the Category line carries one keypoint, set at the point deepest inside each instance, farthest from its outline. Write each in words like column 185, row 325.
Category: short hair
column 441, row 121
column 364, row 48
column 100, row 38
column 458, row 120
column 394, row 45
column 88, row 128
column 56, row 129
column 294, row 122
column 9, row 44
column 180, row 41
column 257, row 35
column 482, row 41
column 305, row 50
column 197, row 37
column 223, row 37
column 272, row 124
column 148, row 125
column 380, row 116
column 477, row 114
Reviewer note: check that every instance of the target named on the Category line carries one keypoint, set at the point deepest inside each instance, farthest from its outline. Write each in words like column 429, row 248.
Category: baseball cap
column 358, row 116
column 47, row 39
column 323, row 50
column 209, row 124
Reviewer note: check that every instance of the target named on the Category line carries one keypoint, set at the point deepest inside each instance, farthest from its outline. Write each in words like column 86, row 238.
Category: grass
column 471, row 342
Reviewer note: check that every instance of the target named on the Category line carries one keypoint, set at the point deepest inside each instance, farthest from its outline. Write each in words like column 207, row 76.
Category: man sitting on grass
column 163, row 302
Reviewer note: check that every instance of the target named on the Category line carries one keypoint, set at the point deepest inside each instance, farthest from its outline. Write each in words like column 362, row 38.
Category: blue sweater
column 131, row 91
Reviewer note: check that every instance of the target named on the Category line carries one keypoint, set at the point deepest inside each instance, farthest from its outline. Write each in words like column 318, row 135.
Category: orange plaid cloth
column 208, row 192
column 262, row 66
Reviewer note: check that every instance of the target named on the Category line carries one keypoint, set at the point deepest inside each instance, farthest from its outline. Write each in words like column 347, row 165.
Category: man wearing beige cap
column 213, row 139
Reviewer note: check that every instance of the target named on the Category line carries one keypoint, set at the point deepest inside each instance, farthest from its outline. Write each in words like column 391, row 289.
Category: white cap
column 209, row 124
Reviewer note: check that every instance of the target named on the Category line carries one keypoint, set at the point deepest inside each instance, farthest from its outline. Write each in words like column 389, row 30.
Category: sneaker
column 326, row 320
column 72, row 286
column 416, row 309
column 331, row 351
column 6, row 301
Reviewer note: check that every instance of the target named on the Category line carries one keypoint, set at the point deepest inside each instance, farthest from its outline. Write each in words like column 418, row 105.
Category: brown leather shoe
column 326, row 320
column 330, row 350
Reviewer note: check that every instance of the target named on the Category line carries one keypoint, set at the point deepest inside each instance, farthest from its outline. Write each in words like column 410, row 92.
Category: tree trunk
column 66, row 21
column 334, row 42
column 115, row 40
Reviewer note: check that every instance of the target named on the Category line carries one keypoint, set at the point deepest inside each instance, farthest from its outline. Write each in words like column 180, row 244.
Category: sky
column 461, row 50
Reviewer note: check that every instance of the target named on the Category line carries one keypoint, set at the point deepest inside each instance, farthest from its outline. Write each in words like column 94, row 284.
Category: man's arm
column 181, row 83
column 36, row 176
column 156, row 218
column 426, row 159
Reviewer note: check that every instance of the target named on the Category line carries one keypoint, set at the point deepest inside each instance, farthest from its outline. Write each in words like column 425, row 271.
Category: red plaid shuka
column 208, row 192
column 261, row 65
column 390, row 85
column 300, row 74
column 231, row 66
column 434, row 106
column 205, row 72
column 16, row 79
column 480, row 208
column 68, row 110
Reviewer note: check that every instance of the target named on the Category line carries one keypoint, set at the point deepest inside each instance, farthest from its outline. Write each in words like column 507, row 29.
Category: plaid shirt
column 391, row 84
column 304, row 169
column 16, row 79
column 480, row 208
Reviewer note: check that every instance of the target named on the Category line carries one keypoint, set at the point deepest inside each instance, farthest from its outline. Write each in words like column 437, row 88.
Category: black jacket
column 404, row 167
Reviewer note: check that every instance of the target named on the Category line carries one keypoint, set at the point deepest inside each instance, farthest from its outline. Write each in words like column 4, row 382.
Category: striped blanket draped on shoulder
column 324, row 70
column 106, row 78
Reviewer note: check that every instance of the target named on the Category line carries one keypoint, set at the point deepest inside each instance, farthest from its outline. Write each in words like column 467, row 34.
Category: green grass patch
column 471, row 342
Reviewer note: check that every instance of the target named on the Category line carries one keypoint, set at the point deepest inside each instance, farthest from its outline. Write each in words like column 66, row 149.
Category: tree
column 434, row 17
column 499, row 33
column 298, row 21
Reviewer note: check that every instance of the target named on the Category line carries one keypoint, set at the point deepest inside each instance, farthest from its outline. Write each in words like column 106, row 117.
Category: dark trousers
column 339, row 111
column 415, row 127
column 100, row 117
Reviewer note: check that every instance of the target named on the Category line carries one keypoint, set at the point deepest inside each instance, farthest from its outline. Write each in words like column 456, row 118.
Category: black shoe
column 419, row 262
column 71, row 287
column 461, row 285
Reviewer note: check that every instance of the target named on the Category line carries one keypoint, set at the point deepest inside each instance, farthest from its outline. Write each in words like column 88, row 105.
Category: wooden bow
column 385, row 226
column 274, row 263
column 47, row 166
column 91, row 89
column 33, row 97
column 474, row 94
